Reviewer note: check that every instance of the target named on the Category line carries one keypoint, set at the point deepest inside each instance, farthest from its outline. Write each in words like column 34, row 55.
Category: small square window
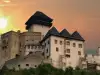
column 18, row 65
column 27, row 64
column 68, row 50
column 60, row 42
column 74, row 45
column 55, row 41
column 47, row 57
column 57, row 49
column 79, row 52
column 80, row 45
column 68, row 43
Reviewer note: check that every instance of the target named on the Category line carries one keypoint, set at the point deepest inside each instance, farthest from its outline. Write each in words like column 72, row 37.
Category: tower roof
column 53, row 31
column 39, row 18
column 65, row 33
column 77, row 36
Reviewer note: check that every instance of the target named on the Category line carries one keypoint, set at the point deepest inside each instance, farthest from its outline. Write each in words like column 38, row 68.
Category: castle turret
column 39, row 22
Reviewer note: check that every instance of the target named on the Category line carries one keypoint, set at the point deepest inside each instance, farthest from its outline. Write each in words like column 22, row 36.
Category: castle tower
column 39, row 22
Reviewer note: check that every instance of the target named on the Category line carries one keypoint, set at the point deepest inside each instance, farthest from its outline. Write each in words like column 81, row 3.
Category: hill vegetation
column 47, row 69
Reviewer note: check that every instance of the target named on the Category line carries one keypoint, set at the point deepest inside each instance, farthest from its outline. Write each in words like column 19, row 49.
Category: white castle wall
column 39, row 28
column 73, row 60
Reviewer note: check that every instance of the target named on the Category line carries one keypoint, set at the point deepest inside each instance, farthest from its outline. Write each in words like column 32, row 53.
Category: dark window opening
column 60, row 42
column 43, row 53
column 68, row 56
column 68, row 50
column 79, row 52
column 45, row 44
column 35, row 65
column 57, row 49
column 55, row 41
column 74, row 45
column 18, row 65
column 47, row 51
column 80, row 45
column 48, row 42
column 47, row 57
column 27, row 64
column 28, row 46
column 30, row 52
column 68, row 43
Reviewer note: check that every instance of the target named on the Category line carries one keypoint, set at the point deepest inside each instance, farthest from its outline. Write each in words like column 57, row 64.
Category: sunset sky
column 80, row 15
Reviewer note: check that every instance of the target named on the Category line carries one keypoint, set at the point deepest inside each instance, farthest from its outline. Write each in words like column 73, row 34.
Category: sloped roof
column 52, row 31
column 77, row 36
column 42, row 16
column 65, row 33
column 39, row 18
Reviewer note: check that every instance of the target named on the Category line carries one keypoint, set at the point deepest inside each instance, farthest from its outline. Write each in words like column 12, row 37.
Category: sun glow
column 3, row 22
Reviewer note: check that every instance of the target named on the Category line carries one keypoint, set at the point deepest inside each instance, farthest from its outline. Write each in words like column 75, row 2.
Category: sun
column 3, row 22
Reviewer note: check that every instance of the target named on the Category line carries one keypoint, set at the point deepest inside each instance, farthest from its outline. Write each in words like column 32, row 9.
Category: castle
column 41, row 43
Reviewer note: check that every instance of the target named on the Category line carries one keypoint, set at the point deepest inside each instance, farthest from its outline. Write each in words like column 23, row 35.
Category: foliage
column 47, row 69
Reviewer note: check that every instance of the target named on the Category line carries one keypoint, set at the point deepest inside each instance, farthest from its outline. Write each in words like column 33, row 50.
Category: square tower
column 39, row 22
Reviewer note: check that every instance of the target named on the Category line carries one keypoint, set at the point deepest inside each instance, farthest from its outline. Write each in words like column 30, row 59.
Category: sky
column 80, row 15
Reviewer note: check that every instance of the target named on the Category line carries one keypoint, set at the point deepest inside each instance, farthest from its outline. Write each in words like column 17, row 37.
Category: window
column 68, row 50
column 27, row 64
column 18, row 65
column 57, row 49
column 35, row 65
column 47, row 57
column 79, row 52
column 80, row 45
column 60, row 42
column 30, row 52
column 45, row 44
column 35, row 47
column 47, row 51
column 68, row 56
column 48, row 42
column 43, row 54
column 31, row 47
column 55, row 41
column 68, row 43
column 74, row 45
column 64, row 64
column 28, row 46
